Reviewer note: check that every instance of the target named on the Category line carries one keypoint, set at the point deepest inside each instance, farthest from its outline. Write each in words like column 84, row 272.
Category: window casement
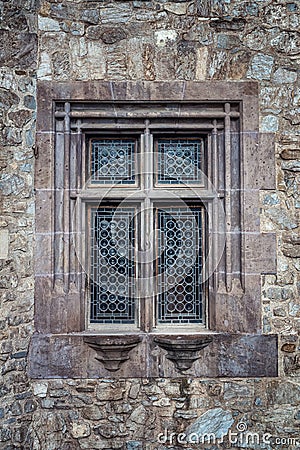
column 149, row 253
column 146, row 230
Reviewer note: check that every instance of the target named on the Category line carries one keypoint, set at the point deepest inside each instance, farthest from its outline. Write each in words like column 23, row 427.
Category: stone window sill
column 90, row 355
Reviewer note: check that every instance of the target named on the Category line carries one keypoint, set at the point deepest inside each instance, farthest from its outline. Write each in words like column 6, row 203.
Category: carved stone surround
column 62, row 345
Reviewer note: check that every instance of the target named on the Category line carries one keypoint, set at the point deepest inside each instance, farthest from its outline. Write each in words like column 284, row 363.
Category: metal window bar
column 179, row 265
column 182, row 304
column 112, row 265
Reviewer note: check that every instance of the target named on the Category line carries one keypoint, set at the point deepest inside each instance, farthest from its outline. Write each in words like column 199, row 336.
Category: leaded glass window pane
column 112, row 265
column 179, row 265
column 179, row 161
column 113, row 161
column 176, row 274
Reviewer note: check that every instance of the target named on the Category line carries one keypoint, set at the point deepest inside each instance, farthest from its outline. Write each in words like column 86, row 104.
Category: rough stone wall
column 142, row 40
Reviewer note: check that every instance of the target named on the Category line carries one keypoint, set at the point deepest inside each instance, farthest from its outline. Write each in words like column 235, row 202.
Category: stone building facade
column 153, row 41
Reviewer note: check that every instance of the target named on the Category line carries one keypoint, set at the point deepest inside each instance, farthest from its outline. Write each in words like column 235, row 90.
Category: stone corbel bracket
column 112, row 351
column 183, row 352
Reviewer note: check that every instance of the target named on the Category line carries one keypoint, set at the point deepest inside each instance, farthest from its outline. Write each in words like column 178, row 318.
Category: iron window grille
column 146, row 260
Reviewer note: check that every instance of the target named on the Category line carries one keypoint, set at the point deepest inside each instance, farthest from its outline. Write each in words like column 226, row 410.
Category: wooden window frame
column 60, row 282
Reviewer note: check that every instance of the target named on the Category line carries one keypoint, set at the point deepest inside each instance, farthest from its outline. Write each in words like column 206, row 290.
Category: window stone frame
column 233, row 345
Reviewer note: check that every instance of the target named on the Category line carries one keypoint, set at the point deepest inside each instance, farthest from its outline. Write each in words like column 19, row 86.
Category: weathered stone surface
column 44, row 71
column 284, row 76
column 115, row 13
column 29, row 102
column 40, row 389
column 80, row 430
column 201, row 64
column 109, row 391
column 177, row 8
column 148, row 62
column 290, row 154
column 288, row 348
column 261, row 68
column 11, row 184
column 134, row 391
column 256, row 39
column 165, row 37
column 71, row 12
column 279, row 312
column 108, row 35
column 227, row 41
column 287, row 42
column 16, row 18
column 185, row 414
column 48, row 358
column 61, row 65
column 116, row 67
column 216, row 421
column 278, row 293
column 18, row 50
column 109, row 431
column 283, row 393
column 203, row 7
column 48, row 24
column 93, row 412
column 139, row 415
column 228, row 25
column 11, row 136
column 21, row 117
column 293, row 166
column 145, row 16
column 281, row 218
column 270, row 124
column 185, row 63
column 75, row 28
column 291, row 365
column 291, row 245
column 8, row 99
column 90, row 15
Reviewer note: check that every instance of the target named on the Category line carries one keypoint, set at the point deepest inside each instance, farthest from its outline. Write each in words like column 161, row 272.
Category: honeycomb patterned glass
column 112, row 265
column 179, row 161
column 179, row 264
column 113, row 161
